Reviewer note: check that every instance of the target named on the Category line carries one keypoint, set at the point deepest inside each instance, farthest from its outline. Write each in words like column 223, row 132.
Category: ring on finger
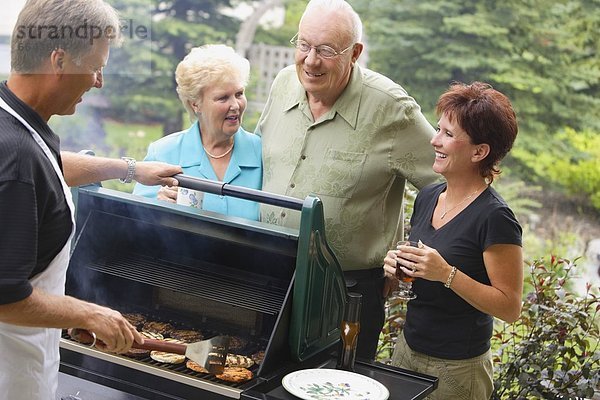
column 94, row 337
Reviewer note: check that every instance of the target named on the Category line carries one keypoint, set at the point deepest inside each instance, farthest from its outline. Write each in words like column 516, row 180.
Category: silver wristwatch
column 130, row 170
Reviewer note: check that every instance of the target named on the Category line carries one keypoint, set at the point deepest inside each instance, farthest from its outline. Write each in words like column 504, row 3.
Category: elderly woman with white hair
column 210, row 83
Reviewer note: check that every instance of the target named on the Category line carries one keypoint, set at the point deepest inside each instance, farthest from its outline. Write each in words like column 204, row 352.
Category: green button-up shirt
column 356, row 158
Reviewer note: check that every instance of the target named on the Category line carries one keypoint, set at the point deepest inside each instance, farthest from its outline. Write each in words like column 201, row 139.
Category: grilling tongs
column 210, row 353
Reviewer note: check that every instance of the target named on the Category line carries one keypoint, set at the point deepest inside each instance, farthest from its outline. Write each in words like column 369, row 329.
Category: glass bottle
column 350, row 329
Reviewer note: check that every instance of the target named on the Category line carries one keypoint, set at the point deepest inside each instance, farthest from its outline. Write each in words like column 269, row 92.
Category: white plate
column 327, row 384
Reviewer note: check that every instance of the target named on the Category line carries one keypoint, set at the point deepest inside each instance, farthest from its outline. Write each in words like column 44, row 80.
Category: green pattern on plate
column 328, row 390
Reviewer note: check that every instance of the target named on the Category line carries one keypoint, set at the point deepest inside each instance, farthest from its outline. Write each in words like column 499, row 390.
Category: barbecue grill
column 275, row 290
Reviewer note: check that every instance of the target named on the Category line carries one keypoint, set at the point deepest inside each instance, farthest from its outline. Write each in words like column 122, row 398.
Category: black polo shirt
column 35, row 222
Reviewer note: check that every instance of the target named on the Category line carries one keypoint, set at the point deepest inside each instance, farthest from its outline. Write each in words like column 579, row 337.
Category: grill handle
column 83, row 336
column 225, row 189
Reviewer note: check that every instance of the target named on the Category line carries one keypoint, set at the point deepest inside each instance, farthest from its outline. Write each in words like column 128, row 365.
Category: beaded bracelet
column 450, row 278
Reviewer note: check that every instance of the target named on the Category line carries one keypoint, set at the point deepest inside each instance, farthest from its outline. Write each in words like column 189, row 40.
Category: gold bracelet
column 450, row 277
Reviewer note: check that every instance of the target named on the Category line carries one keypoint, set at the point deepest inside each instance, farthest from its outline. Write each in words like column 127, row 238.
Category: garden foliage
column 553, row 351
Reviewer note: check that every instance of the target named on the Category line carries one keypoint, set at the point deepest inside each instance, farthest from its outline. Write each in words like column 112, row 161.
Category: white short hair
column 342, row 6
column 205, row 66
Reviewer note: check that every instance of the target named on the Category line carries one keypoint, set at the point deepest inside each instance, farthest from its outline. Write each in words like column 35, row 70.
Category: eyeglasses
column 322, row 49
column 88, row 67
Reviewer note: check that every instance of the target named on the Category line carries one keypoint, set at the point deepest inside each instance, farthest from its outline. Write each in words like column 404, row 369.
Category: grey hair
column 71, row 25
column 205, row 66
column 342, row 6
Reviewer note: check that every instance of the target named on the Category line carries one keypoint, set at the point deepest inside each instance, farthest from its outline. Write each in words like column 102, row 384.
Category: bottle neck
column 353, row 307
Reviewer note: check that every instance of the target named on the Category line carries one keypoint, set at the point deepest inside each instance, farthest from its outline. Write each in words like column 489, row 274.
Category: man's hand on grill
column 167, row 193
column 156, row 173
column 114, row 333
column 82, row 169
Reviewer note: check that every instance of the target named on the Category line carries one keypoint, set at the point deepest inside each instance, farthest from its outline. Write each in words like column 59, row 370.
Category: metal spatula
column 210, row 353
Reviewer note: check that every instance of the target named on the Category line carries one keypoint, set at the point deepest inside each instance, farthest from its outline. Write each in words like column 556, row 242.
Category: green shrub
column 552, row 352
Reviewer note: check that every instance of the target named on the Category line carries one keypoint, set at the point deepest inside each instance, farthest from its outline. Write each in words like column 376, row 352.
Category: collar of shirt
column 347, row 105
column 33, row 118
column 192, row 154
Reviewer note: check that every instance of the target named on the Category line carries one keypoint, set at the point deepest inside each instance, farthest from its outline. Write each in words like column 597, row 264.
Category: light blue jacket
column 185, row 149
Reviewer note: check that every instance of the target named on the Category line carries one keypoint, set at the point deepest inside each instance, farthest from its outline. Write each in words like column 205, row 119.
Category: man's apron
column 29, row 357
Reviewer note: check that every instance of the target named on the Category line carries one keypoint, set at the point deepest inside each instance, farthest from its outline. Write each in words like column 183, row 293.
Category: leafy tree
column 543, row 54
column 145, row 92
column 536, row 51
column 571, row 159
column 281, row 36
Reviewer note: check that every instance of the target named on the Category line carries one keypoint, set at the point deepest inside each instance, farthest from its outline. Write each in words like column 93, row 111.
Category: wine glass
column 405, row 292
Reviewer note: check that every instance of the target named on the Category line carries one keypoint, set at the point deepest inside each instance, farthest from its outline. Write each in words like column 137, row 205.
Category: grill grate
column 181, row 368
column 202, row 280
column 178, row 368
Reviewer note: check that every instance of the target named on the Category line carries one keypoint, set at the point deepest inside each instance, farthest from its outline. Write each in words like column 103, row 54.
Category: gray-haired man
column 58, row 50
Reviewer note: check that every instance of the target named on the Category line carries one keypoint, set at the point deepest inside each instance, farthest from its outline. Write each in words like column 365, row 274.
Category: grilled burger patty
column 235, row 374
column 137, row 353
column 236, row 360
column 135, row 319
column 258, row 357
column 152, row 335
column 164, row 328
column 168, row 358
column 186, row 335
column 194, row 366
column 237, row 343
column 233, row 360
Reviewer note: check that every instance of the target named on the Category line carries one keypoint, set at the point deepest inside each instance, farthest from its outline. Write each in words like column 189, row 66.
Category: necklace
column 217, row 157
column 458, row 204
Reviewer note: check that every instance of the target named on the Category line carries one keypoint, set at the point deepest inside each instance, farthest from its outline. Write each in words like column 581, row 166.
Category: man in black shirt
column 51, row 71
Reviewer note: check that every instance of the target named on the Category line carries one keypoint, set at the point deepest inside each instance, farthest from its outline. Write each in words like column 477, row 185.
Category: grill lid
column 319, row 289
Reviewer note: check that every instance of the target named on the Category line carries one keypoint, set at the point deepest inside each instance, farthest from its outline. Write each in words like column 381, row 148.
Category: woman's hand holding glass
column 413, row 260
column 400, row 266
column 406, row 268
